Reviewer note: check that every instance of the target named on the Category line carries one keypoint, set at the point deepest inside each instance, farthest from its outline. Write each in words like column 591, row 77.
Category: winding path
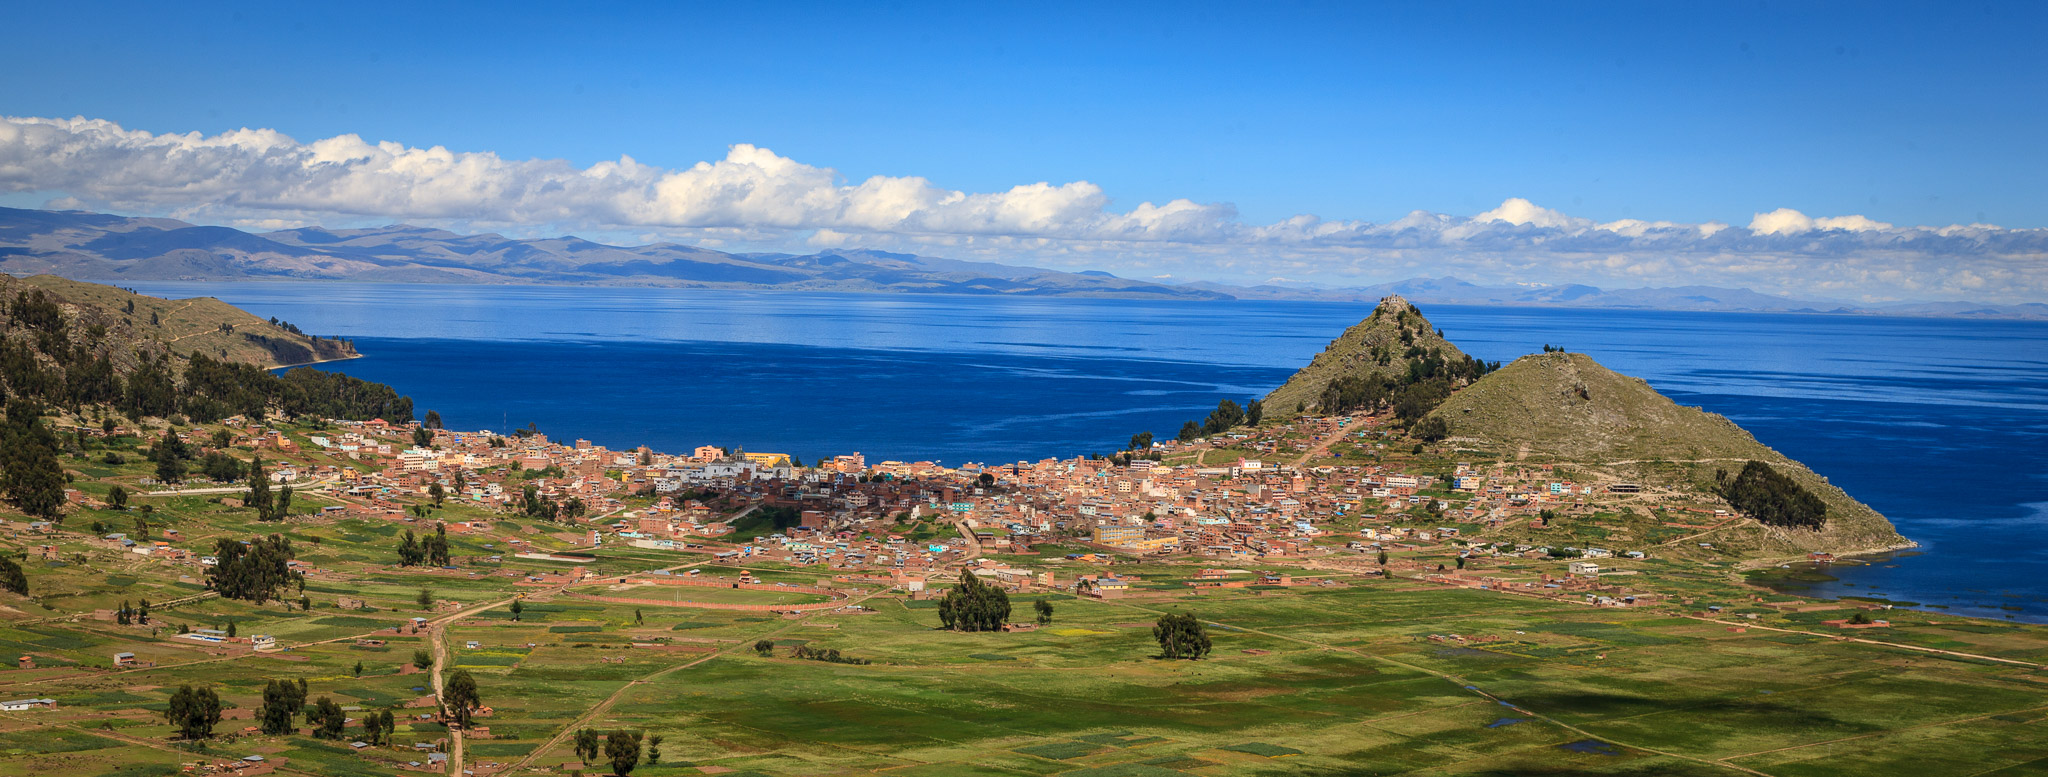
column 1324, row 446
column 606, row 704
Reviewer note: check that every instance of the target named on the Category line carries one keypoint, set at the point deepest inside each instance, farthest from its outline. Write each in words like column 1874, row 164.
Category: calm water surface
column 1942, row 425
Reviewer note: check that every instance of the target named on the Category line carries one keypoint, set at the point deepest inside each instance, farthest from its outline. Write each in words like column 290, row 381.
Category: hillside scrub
column 1773, row 499
column 87, row 344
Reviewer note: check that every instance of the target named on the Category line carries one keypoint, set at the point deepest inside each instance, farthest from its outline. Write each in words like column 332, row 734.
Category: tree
column 12, row 579
column 281, row 703
column 432, row 421
column 255, row 571
column 1181, row 636
column 359, row 668
column 194, row 712
column 327, row 719
column 1190, row 431
column 117, row 498
column 220, row 467
column 435, row 548
column 437, row 493
column 1226, row 416
column 516, row 609
column 1141, row 441
column 587, row 744
column 764, row 646
column 423, row 438
column 622, row 749
column 373, row 728
column 409, row 553
column 974, row 606
column 1861, row 618
column 29, row 472
column 459, row 695
column 1254, row 411
column 169, row 454
column 1383, row 557
column 653, row 749
column 1431, row 429
column 425, row 599
column 258, row 497
column 1044, row 609
column 423, row 659
column 388, row 723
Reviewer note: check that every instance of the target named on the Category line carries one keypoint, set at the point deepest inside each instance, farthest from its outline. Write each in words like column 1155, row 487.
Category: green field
column 1301, row 681
column 720, row 595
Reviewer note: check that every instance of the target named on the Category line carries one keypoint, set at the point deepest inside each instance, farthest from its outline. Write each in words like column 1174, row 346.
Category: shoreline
column 1861, row 557
column 313, row 362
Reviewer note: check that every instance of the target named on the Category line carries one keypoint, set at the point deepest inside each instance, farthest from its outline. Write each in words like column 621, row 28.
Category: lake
column 1940, row 424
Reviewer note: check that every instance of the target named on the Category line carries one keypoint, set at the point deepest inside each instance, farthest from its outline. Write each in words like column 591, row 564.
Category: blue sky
column 1914, row 115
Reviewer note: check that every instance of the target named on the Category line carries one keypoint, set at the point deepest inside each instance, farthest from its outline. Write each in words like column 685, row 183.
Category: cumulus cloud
column 754, row 197
column 1786, row 221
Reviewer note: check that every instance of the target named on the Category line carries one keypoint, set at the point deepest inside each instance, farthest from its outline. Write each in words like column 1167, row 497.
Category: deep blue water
column 1940, row 424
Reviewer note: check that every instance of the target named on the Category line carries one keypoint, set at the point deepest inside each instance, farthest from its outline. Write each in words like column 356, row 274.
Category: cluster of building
column 914, row 518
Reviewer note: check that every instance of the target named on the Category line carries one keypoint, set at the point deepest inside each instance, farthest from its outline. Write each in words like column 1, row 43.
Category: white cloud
column 1783, row 221
column 1521, row 212
column 1786, row 221
column 755, row 198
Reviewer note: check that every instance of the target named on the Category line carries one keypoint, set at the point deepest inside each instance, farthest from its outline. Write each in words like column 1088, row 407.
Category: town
column 1323, row 496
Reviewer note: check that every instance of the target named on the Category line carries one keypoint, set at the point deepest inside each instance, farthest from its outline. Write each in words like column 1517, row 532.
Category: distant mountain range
column 1452, row 291
column 94, row 246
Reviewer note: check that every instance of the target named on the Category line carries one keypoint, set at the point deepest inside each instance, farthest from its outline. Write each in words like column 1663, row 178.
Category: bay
column 1940, row 424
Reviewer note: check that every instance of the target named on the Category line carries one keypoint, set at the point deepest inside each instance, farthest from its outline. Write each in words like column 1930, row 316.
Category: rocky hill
column 126, row 326
column 1382, row 345
column 1566, row 408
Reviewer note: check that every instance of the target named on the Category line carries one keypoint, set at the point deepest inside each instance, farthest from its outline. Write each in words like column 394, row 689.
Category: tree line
column 429, row 551
column 1227, row 416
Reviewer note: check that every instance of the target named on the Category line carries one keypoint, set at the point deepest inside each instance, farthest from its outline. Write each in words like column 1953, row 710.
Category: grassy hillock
column 1382, row 345
column 1568, row 409
column 137, row 323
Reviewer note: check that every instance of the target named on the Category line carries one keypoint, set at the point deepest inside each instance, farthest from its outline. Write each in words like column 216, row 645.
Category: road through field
column 606, row 704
